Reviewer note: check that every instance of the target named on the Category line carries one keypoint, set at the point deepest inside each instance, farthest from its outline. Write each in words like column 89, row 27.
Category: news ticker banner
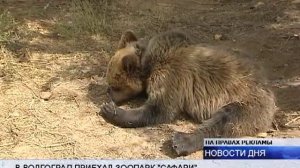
column 252, row 148
column 148, row 163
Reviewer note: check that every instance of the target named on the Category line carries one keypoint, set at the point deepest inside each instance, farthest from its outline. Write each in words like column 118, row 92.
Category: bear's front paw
column 112, row 113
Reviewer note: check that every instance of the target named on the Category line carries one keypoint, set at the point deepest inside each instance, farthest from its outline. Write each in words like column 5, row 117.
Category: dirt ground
column 52, row 80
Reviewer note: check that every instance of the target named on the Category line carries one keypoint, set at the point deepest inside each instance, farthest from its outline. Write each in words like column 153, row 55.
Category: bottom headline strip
column 147, row 163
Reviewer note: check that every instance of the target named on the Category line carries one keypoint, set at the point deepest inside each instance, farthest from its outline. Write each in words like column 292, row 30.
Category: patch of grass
column 8, row 27
column 86, row 17
column 7, row 65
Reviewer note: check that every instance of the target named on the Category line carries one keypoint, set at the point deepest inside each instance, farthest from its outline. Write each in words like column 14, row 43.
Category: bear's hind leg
column 233, row 120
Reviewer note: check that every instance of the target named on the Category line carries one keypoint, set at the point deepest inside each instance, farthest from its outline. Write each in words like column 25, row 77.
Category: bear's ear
column 127, row 37
column 130, row 64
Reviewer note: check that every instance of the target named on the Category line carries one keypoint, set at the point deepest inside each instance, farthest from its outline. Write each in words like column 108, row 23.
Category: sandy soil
column 51, row 85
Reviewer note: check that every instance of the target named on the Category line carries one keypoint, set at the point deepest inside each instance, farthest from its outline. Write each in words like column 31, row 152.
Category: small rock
column 85, row 71
column 262, row 135
column 46, row 95
column 14, row 114
column 285, row 65
column 218, row 37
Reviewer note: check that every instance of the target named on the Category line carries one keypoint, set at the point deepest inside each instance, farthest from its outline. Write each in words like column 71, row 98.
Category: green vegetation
column 87, row 17
column 8, row 27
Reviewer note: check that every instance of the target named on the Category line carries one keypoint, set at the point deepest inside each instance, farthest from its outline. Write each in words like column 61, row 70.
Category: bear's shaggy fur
column 214, row 87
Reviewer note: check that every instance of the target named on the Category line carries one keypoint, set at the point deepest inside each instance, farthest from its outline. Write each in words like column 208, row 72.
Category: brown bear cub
column 212, row 86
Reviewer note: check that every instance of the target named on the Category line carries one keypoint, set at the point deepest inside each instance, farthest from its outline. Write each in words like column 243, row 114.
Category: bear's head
column 124, row 69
